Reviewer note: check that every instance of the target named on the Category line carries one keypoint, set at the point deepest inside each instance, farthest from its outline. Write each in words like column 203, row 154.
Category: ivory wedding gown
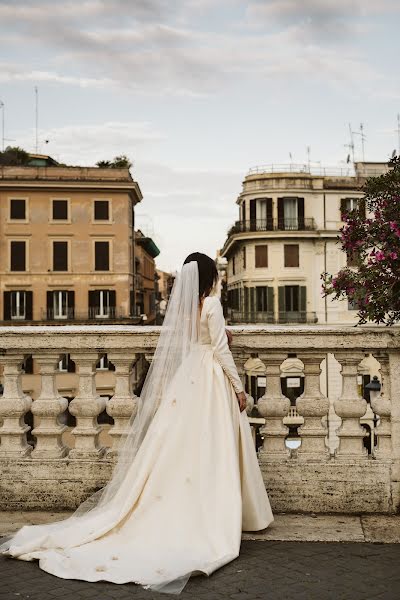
column 197, row 484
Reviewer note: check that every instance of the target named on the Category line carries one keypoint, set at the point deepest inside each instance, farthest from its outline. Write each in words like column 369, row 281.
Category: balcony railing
column 89, row 314
column 286, row 317
column 306, row 224
column 303, row 168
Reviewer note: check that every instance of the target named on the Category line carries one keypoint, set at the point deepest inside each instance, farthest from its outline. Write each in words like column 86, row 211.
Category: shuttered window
column 291, row 255
column 60, row 210
column 60, row 256
column 102, row 256
column 101, row 210
column 261, row 256
column 17, row 208
column 18, row 256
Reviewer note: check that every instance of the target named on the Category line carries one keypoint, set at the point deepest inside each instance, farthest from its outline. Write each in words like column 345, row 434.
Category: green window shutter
column 303, row 298
column 281, row 298
column 28, row 305
column 270, row 299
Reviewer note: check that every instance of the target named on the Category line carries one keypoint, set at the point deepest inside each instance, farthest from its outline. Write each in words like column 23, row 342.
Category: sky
column 197, row 92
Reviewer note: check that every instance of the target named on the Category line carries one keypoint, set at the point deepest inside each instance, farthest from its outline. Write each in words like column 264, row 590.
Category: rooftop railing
column 327, row 466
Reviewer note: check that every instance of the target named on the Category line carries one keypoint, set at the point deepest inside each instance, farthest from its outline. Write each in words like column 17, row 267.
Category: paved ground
column 267, row 570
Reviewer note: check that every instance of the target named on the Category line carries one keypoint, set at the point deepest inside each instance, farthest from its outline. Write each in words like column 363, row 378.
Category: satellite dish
column 394, row 153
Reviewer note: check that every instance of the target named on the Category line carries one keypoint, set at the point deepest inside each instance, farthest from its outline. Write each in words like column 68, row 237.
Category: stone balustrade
column 55, row 448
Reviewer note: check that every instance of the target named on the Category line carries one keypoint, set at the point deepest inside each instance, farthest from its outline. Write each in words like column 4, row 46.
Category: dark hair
column 208, row 274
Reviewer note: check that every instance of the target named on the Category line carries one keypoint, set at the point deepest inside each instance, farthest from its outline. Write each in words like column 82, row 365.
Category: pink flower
column 379, row 256
column 393, row 255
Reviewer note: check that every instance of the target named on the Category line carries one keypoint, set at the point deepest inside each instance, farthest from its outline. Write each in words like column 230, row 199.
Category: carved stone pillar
column 123, row 404
column 273, row 406
column 312, row 405
column 47, row 407
column 86, row 407
column 14, row 404
column 381, row 405
column 350, row 407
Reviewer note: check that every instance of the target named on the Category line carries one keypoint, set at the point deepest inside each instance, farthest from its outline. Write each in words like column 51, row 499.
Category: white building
column 286, row 236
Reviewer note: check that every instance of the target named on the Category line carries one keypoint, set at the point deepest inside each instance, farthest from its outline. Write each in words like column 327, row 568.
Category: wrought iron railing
column 299, row 224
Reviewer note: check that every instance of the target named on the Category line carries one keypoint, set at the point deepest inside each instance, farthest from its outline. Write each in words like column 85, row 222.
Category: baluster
column 394, row 382
column 381, row 405
column 350, row 407
column 312, row 405
column 48, row 406
column 122, row 406
column 273, row 405
column 14, row 404
column 86, row 407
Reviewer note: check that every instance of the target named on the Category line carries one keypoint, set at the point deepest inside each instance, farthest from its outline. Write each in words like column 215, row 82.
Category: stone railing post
column 394, row 370
column 122, row 406
column 273, row 406
column 350, row 408
column 14, row 404
column 86, row 407
column 312, row 405
column 381, row 405
column 47, row 407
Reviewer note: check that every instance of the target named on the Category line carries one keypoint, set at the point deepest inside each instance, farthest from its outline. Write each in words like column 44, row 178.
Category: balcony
column 336, row 465
column 307, row 224
column 286, row 317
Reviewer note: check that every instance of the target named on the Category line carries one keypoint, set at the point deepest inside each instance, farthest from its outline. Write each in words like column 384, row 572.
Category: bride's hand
column 242, row 400
column 229, row 336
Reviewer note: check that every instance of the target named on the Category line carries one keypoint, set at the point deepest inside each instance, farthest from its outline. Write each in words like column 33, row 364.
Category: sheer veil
column 109, row 505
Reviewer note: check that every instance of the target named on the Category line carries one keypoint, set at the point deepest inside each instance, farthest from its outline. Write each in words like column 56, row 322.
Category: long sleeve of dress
column 219, row 341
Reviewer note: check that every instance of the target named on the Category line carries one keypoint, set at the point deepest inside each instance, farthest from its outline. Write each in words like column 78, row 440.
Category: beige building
column 66, row 244
column 286, row 236
column 145, row 277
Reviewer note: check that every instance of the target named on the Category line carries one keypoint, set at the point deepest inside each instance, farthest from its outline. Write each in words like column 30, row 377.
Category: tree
column 374, row 286
column 118, row 162
column 14, row 156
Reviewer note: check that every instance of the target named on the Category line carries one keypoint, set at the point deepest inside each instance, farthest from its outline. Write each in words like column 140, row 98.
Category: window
column 233, row 298
column 18, row 256
column 101, row 210
column 351, row 305
column 261, row 214
column 60, row 210
column 261, row 298
column 17, row 208
column 261, row 256
column 233, row 265
column 292, row 303
column 18, row 304
column 66, row 364
column 102, row 256
column 60, row 256
column 349, row 204
column 291, row 255
column 352, row 259
column 291, row 213
column 101, row 304
column 292, row 298
column 60, row 305
column 244, row 257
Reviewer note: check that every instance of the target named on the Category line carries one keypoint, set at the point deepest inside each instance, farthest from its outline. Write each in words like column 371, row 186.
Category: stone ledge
column 382, row 529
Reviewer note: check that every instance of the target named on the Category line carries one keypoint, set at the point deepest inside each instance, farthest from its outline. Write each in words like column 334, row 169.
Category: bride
column 187, row 479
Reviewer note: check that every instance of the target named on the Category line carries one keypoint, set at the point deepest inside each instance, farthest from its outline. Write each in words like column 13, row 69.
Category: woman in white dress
column 187, row 479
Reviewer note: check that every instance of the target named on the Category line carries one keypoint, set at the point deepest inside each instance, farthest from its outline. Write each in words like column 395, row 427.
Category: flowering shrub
column 374, row 286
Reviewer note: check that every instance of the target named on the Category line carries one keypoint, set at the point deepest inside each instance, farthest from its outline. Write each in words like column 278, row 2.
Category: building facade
column 285, row 238
column 146, row 277
column 66, row 244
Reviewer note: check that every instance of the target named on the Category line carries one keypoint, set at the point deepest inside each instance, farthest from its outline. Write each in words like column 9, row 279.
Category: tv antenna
column 398, row 133
column 350, row 146
column 36, row 118
column 363, row 138
column 309, row 158
column 3, row 138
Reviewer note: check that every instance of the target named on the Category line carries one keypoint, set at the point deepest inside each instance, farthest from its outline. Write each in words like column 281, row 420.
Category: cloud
column 94, row 44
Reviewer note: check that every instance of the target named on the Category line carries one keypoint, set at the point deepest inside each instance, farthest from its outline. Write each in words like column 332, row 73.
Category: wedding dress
column 176, row 504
